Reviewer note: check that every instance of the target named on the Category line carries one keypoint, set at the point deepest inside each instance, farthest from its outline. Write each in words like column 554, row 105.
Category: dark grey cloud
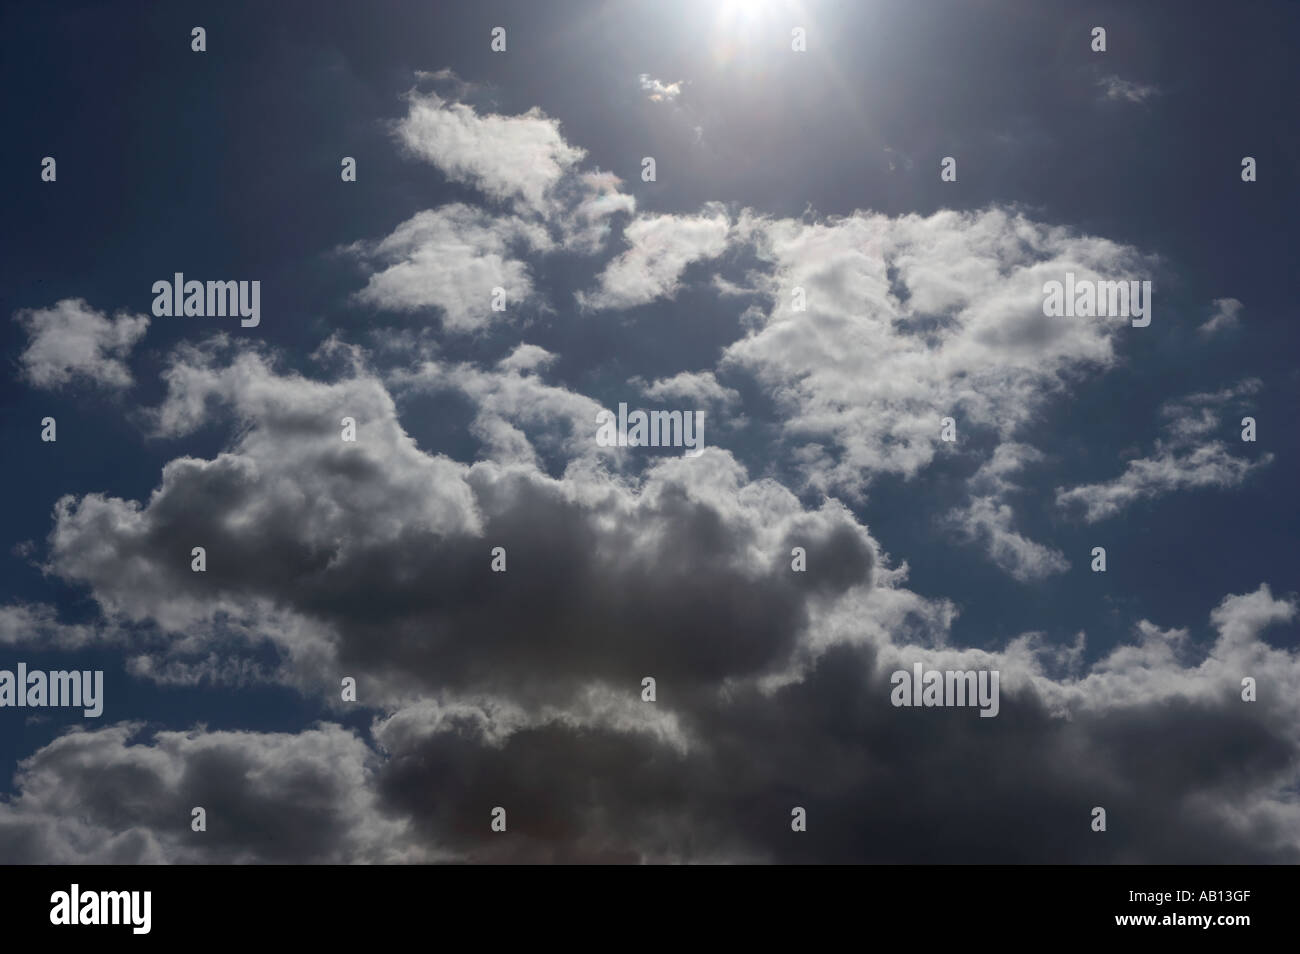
column 1185, row 776
column 383, row 553
column 119, row 795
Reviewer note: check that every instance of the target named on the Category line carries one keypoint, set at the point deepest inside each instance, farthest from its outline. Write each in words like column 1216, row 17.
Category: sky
column 838, row 266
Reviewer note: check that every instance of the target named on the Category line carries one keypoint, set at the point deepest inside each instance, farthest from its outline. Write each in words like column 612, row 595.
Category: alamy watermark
column 1086, row 298
column 74, row 906
column 651, row 429
column 82, row 689
column 938, row 687
column 213, row 300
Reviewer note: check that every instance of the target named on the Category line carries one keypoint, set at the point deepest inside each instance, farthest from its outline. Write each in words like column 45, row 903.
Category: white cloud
column 699, row 387
column 658, row 91
column 451, row 258
column 661, row 247
column 72, row 340
column 1208, row 466
column 909, row 320
column 519, row 158
column 515, row 410
column 987, row 518
column 590, row 203
column 38, row 625
column 1179, row 461
column 1226, row 317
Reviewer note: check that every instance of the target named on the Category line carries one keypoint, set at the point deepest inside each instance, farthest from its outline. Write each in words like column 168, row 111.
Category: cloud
column 452, row 258
column 590, row 203
column 38, row 625
column 661, row 247
column 1124, row 733
column 522, row 688
column 1226, row 317
column 659, row 92
column 909, row 320
column 1179, row 461
column 1154, row 731
column 1116, row 88
column 72, row 341
column 115, row 796
column 515, row 411
column 990, row 521
column 508, row 158
column 699, row 387
column 326, row 549
column 987, row 518
column 897, row 156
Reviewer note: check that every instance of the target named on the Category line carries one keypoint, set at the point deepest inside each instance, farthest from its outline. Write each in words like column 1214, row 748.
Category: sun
column 733, row 13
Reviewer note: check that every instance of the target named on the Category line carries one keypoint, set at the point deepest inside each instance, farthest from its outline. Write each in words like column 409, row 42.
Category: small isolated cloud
column 699, row 387
column 683, row 116
column 1226, row 316
column 72, row 340
column 897, row 157
column 658, row 91
column 1126, row 90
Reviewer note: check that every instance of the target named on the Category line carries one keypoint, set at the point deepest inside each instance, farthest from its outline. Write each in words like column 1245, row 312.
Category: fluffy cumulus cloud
column 1186, row 458
column 518, row 416
column 373, row 555
column 502, row 605
column 451, row 258
column 72, row 341
column 700, row 387
column 120, row 796
column 519, row 158
column 880, row 327
column 523, row 689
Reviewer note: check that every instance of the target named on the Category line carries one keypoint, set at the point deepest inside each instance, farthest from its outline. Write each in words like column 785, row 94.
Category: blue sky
column 776, row 169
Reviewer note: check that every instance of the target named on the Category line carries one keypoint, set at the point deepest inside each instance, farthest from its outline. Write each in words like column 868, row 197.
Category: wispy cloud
column 1121, row 89
column 1182, row 460
column 1226, row 317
